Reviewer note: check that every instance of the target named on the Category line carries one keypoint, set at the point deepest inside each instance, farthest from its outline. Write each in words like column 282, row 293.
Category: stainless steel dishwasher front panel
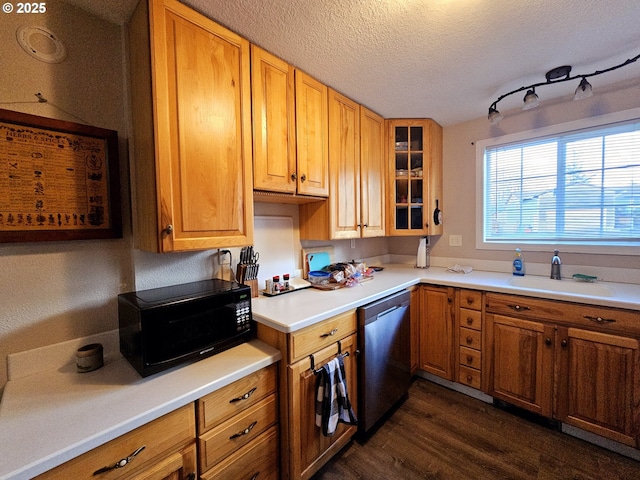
column 384, row 363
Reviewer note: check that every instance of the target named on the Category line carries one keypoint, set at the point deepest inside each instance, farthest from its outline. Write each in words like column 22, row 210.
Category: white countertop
column 295, row 310
column 55, row 415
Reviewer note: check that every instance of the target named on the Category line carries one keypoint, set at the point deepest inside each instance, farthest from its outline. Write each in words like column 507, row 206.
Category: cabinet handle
column 330, row 334
column 120, row 463
column 246, row 431
column 469, row 378
column 469, row 301
column 255, row 476
column 469, row 340
column 243, row 397
column 168, row 229
column 294, row 176
column 599, row 319
column 469, row 321
column 469, row 359
column 303, row 178
column 564, row 343
column 518, row 308
column 547, row 341
column 191, row 476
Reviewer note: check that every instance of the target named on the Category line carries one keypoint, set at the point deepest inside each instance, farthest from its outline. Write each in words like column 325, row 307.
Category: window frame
column 599, row 247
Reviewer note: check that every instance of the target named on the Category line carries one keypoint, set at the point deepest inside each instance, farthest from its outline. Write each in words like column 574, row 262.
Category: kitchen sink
column 562, row 286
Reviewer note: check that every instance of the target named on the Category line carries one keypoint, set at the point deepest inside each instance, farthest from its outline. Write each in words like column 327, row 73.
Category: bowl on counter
column 318, row 277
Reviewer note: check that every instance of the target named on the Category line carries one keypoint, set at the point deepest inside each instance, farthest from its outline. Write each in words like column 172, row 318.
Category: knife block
column 254, row 287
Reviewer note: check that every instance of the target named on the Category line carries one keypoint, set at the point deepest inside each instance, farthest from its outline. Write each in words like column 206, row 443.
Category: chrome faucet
column 555, row 266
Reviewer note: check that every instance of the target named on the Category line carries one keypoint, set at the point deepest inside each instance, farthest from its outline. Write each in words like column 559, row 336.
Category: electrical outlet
column 455, row 240
column 353, row 243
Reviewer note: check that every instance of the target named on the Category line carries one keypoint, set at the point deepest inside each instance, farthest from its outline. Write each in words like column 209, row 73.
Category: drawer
column 471, row 299
column 470, row 358
column 604, row 319
column 170, row 431
column 258, row 459
column 232, row 399
column 470, row 338
column 236, row 432
column 469, row 376
column 315, row 337
column 471, row 319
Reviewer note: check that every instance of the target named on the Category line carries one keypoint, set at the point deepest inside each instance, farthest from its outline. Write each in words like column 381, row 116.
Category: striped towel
column 332, row 400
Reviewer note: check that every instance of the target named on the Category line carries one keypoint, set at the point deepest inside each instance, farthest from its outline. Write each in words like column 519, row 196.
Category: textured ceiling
column 444, row 59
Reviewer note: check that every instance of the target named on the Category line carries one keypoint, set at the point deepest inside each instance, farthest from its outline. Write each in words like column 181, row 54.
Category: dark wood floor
column 441, row 434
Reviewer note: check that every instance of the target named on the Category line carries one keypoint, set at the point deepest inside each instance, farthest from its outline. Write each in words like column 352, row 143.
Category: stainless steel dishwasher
column 384, row 363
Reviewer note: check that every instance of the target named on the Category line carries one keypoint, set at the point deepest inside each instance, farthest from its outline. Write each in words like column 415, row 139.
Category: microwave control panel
column 243, row 315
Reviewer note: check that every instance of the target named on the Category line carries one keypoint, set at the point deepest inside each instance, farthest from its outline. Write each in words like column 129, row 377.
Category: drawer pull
column 469, row 300
column 243, row 397
column 469, row 321
column 547, row 341
column 469, row 340
column 469, row 378
column 120, row 463
column 330, row 334
column 469, row 359
column 255, row 477
column 599, row 319
column 246, row 431
column 518, row 308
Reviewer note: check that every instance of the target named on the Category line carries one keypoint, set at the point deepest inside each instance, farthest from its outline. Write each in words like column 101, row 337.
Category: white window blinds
column 580, row 187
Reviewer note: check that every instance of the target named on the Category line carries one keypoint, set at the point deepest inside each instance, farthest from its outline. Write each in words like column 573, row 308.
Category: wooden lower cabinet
column 437, row 333
column 575, row 363
column 169, row 453
column 598, row 383
column 238, row 429
column 522, row 363
column 304, row 449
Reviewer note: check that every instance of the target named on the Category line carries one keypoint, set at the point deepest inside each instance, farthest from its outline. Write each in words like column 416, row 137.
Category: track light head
column 584, row 90
column 494, row 116
column 531, row 100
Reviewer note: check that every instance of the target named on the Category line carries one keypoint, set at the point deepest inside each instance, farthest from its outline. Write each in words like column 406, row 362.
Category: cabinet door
column 344, row 166
column 312, row 140
column 522, row 363
column 203, row 131
column 309, row 448
column 272, row 97
column 598, row 383
column 372, row 174
column 414, row 177
column 437, row 337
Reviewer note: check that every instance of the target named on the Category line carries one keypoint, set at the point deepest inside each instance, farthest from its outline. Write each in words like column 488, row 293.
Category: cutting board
column 320, row 258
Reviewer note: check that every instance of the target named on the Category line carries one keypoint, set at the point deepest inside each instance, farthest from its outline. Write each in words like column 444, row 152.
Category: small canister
column 89, row 357
column 285, row 278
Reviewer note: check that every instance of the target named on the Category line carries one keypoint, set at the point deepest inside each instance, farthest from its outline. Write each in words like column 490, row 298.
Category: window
column 569, row 187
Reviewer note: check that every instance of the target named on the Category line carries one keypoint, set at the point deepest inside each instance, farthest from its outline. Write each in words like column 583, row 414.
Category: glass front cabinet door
column 415, row 177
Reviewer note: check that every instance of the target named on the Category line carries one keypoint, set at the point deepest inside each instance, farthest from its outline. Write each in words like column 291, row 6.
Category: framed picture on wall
column 58, row 180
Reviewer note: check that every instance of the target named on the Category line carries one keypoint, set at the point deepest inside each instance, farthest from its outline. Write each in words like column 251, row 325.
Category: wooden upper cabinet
column 373, row 169
column 311, row 135
column 274, row 155
column 414, row 188
column 356, row 204
column 344, row 166
column 192, row 130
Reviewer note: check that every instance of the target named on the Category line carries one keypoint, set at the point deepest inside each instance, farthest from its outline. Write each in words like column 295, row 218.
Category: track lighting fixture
column 556, row 75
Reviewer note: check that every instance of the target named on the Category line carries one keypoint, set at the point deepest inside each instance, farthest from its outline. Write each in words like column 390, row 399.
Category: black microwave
column 164, row 327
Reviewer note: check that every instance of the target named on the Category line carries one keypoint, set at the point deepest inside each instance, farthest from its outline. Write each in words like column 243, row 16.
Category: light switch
column 455, row 240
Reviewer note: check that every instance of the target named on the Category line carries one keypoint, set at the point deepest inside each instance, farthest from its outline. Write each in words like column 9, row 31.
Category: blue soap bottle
column 518, row 263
